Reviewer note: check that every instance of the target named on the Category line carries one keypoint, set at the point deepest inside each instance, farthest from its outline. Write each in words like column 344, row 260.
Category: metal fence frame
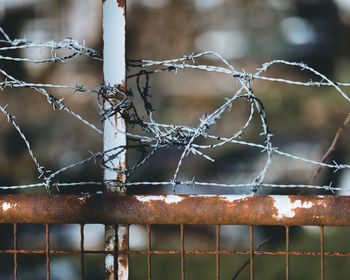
column 122, row 211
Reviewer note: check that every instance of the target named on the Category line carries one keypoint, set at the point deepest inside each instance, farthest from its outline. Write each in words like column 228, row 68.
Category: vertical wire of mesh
column 182, row 249
column 82, row 266
column 149, row 252
column 47, row 250
column 287, row 252
column 218, row 252
column 15, row 274
column 322, row 251
column 251, row 252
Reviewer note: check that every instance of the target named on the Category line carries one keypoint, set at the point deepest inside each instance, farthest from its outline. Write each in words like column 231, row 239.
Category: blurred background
column 303, row 120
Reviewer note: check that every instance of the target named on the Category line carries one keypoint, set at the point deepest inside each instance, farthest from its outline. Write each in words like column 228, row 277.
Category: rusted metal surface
column 251, row 253
column 148, row 252
column 182, row 251
column 122, row 239
column 110, row 247
column 217, row 249
column 123, row 245
column 15, row 274
column 47, row 251
column 179, row 252
column 287, row 252
column 176, row 209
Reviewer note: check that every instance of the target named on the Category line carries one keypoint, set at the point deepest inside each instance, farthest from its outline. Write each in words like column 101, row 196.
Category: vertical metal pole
column 114, row 70
column 287, row 252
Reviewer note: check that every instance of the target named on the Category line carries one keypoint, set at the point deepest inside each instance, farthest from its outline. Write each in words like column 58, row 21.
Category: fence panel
column 181, row 210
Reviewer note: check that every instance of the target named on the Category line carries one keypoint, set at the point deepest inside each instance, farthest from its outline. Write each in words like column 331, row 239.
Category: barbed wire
column 156, row 136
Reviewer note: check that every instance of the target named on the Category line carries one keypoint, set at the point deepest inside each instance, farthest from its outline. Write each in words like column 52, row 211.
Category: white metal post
column 114, row 69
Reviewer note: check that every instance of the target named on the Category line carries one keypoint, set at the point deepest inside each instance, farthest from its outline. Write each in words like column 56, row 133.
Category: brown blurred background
column 247, row 33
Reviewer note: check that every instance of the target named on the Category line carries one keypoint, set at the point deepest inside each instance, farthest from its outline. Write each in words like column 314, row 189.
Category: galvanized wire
column 157, row 136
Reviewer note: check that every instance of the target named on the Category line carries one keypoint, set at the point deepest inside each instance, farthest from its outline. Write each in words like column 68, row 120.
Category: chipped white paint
column 286, row 208
column 109, row 238
column 166, row 198
column 176, row 198
column 123, row 244
column 6, row 206
column 232, row 198
column 123, row 272
column 121, row 234
column 114, row 74
column 109, row 261
column 83, row 198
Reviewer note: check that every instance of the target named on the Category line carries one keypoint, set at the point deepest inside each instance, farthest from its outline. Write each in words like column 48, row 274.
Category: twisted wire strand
column 155, row 136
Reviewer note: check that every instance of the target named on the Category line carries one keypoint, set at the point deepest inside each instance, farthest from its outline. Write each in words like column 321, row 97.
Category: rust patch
column 109, row 271
column 121, row 87
column 121, row 4
column 123, row 261
column 125, row 241
column 121, row 177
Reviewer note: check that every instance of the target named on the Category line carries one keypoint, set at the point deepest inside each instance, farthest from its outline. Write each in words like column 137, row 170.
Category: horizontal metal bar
column 193, row 252
column 176, row 209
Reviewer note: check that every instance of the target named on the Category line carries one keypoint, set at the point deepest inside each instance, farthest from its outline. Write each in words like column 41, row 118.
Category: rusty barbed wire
column 156, row 136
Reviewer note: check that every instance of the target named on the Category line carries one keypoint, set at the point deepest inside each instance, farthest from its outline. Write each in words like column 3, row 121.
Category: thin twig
column 331, row 148
column 258, row 247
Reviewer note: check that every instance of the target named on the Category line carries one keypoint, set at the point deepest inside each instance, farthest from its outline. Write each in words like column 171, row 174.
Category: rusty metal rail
column 176, row 209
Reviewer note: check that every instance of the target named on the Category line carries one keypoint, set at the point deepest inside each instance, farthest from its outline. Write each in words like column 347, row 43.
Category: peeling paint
column 83, row 198
column 286, row 208
column 122, row 232
column 232, row 198
column 114, row 74
column 110, row 238
column 167, row 199
column 123, row 271
column 109, row 261
column 6, row 206
column 110, row 244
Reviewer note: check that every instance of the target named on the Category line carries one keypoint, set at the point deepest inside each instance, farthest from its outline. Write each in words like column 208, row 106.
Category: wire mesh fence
column 190, row 221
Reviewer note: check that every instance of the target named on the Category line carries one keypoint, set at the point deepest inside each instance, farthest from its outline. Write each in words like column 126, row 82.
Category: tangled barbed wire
column 155, row 136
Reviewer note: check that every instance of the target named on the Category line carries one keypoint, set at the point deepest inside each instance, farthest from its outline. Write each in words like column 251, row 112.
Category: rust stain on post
column 121, row 177
column 114, row 69
column 121, row 4
column 123, row 245
column 122, row 86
